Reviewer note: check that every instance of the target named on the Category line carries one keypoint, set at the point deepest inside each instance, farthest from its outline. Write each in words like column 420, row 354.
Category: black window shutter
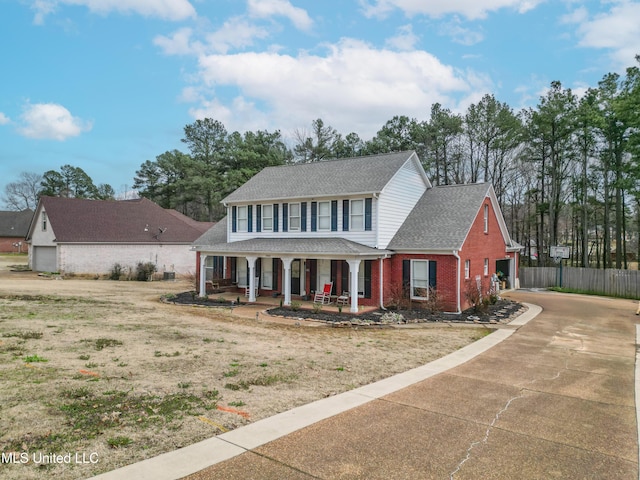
column 345, row 276
column 258, row 271
column 367, row 278
column 406, row 274
column 275, row 217
column 334, row 276
column 275, row 267
column 314, row 216
column 303, row 217
column 234, row 263
column 258, row 218
column 250, row 218
column 334, row 215
column 313, row 270
column 285, row 217
column 367, row 214
column 432, row 274
column 345, row 215
column 234, row 218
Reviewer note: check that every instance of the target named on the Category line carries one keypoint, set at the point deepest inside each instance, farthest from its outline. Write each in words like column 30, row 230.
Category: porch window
column 294, row 217
column 267, row 218
column 467, row 269
column 214, row 267
column 356, row 219
column 324, row 216
column 420, row 279
column 242, row 272
column 243, row 219
column 267, row 274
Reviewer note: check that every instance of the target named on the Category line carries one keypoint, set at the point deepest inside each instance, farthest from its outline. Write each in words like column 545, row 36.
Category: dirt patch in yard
column 102, row 371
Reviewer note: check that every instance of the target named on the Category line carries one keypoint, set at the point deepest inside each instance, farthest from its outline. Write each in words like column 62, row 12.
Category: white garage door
column 44, row 259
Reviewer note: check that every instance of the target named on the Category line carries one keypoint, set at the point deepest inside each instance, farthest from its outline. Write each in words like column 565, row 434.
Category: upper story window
column 294, row 217
column 267, row 218
column 44, row 221
column 356, row 219
column 243, row 219
column 324, row 216
column 486, row 219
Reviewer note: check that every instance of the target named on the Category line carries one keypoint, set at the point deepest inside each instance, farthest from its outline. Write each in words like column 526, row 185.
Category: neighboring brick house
column 13, row 230
column 372, row 225
column 72, row 235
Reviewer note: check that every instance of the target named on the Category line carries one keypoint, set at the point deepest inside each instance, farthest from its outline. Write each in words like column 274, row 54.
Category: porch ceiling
column 295, row 247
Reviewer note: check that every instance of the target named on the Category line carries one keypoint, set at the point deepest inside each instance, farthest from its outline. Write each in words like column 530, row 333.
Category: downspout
column 381, row 282
column 455, row 254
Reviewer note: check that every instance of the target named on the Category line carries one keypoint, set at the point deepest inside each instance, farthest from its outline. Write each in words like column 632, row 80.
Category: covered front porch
column 288, row 269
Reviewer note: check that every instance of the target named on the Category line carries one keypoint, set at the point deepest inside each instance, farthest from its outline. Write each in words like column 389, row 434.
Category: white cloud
column 235, row 33
column 178, row 43
column 460, row 34
column 4, row 119
column 270, row 8
column 404, row 40
column 471, row 9
column 348, row 88
column 166, row 9
column 616, row 30
column 51, row 121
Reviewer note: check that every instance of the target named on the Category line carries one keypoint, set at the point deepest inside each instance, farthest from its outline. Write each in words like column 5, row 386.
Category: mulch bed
column 500, row 312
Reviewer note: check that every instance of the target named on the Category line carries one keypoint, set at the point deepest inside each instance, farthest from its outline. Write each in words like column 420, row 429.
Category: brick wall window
column 467, row 269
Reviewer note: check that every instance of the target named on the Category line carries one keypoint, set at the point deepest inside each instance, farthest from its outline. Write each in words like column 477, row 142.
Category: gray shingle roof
column 105, row 221
column 441, row 219
column 368, row 174
column 15, row 224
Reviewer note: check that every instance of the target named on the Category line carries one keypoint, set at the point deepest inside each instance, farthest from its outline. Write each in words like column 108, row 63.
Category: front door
column 295, row 277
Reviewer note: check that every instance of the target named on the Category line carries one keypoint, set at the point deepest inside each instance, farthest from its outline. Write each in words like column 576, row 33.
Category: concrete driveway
column 554, row 400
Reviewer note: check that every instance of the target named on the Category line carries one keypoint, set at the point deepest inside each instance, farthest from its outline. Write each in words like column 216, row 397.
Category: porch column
column 251, row 261
column 202, row 290
column 286, row 263
column 354, row 268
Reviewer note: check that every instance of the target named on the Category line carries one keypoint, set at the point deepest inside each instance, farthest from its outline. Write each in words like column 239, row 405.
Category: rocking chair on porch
column 324, row 297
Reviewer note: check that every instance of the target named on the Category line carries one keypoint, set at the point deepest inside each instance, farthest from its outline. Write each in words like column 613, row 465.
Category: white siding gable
column 398, row 199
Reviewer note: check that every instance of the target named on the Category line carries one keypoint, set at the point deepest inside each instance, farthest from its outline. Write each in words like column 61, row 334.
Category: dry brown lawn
column 105, row 372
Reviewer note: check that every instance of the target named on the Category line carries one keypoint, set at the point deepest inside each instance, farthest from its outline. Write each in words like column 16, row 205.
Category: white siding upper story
column 43, row 234
column 388, row 210
column 397, row 200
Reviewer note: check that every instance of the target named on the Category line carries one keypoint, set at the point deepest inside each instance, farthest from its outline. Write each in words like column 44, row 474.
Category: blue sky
column 107, row 84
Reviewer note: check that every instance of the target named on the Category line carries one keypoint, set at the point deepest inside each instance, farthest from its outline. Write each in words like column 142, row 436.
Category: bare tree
column 23, row 194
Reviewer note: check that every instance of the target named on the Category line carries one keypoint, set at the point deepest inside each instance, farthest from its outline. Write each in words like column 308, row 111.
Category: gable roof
column 348, row 176
column 15, row 224
column 77, row 220
column 442, row 218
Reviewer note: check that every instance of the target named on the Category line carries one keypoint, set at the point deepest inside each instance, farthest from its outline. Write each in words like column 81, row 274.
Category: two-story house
column 369, row 225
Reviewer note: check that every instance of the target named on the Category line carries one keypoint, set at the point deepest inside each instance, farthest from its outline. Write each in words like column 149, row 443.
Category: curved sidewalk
column 554, row 401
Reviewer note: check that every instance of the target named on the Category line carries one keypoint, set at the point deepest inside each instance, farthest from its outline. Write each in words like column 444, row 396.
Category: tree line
column 565, row 172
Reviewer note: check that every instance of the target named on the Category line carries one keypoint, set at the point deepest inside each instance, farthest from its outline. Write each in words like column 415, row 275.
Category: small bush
column 317, row 308
column 295, row 306
column 116, row 272
column 145, row 271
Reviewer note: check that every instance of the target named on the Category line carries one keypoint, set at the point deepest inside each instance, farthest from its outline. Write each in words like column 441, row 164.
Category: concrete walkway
column 553, row 400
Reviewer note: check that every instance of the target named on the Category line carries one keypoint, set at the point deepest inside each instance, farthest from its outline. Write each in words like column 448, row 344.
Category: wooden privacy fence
column 611, row 282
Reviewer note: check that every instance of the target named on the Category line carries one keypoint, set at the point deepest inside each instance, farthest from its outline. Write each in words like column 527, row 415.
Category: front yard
column 106, row 373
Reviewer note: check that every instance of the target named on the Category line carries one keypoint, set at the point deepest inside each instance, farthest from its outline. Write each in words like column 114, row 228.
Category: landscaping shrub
column 145, row 271
column 116, row 272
